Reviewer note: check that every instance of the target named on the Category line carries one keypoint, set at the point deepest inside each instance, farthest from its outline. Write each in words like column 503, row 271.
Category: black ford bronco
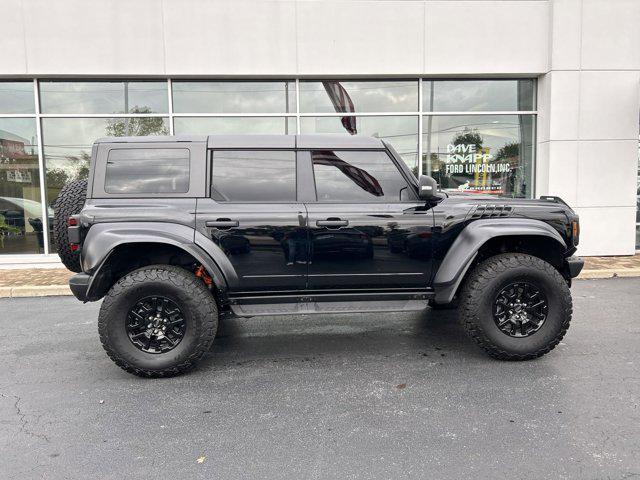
column 179, row 233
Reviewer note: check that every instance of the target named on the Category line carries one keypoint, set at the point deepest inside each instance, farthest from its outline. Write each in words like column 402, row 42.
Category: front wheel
column 158, row 321
column 516, row 306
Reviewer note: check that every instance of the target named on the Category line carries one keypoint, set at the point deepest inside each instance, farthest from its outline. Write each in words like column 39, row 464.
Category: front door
column 252, row 215
column 367, row 229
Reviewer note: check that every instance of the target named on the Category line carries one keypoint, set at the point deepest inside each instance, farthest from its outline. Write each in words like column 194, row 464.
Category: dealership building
column 510, row 97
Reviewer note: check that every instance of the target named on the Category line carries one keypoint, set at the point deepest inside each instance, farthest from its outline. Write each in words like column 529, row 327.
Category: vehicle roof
column 334, row 141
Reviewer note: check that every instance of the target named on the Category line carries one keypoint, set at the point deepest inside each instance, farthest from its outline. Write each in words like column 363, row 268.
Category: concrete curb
column 34, row 291
column 609, row 273
column 57, row 290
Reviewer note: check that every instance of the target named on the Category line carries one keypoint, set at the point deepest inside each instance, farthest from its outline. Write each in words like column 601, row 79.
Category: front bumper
column 573, row 266
column 79, row 285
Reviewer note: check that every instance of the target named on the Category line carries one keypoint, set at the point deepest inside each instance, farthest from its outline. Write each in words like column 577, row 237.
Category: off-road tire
column 482, row 287
column 182, row 287
column 69, row 202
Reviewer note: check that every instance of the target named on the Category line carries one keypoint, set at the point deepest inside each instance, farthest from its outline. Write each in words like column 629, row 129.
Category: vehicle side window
column 147, row 170
column 253, row 176
column 351, row 176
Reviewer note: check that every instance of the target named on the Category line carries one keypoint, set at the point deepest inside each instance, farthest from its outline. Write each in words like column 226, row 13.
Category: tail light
column 72, row 222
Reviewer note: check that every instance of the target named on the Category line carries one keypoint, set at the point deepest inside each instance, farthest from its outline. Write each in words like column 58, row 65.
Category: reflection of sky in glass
column 367, row 96
column 16, row 97
column 335, row 185
column 73, row 137
column 495, row 130
column 477, row 95
column 400, row 131
column 20, row 130
column 259, row 176
column 234, row 125
column 234, row 97
column 103, row 97
column 157, row 170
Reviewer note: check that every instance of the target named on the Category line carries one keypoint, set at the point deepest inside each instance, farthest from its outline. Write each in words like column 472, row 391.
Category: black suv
column 179, row 233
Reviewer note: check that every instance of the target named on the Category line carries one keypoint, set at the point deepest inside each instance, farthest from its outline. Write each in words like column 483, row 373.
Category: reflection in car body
column 341, row 243
column 232, row 243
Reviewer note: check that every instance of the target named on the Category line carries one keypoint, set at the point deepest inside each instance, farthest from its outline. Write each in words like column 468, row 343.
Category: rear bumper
column 79, row 285
column 574, row 266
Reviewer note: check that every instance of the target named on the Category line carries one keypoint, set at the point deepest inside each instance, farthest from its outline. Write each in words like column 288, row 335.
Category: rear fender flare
column 465, row 249
column 102, row 239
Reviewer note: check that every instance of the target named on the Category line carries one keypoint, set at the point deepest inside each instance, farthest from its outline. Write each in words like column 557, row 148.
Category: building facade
column 511, row 97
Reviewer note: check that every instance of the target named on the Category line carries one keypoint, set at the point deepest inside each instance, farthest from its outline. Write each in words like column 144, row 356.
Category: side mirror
column 427, row 188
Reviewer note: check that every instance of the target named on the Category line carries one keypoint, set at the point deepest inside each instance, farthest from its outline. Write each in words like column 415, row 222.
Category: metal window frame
column 297, row 115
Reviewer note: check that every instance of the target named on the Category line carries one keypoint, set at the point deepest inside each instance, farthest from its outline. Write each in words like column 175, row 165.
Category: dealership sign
column 465, row 158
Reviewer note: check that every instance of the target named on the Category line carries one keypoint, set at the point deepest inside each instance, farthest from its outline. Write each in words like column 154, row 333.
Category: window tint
column 343, row 176
column 254, row 176
column 147, row 170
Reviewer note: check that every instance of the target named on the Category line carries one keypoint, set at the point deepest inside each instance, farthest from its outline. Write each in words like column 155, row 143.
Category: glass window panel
column 21, row 222
column 103, row 97
column 480, row 154
column 344, row 176
column 234, row 97
column 364, row 96
column 17, row 97
column 67, row 144
column 254, row 176
column 400, row 131
column 234, row 125
column 478, row 95
column 147, row 170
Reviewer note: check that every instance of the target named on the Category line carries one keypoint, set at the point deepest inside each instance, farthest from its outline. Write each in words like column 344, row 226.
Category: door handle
column 222, row 223
column 332, row 223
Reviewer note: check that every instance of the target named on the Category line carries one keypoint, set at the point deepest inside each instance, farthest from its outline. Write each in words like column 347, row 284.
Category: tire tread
column 480, row 279
column 203, row 303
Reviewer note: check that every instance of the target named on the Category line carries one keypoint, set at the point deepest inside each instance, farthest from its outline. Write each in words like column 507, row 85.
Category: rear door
column 367, row 228
column 253, row 216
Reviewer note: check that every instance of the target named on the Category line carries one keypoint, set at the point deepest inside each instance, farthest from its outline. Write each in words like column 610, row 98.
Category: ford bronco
column 179, row 233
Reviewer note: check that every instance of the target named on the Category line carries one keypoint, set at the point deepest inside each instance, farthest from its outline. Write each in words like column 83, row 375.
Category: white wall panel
column 12, row 38
column 562, row 170
column 243, row 37
column 337, row 37
column 565, row 103
column 94, row 37
column 609, row 105
column 607, row 230
column 566, row 31
column 610, row 34
column 474, row 37
column 607, row 173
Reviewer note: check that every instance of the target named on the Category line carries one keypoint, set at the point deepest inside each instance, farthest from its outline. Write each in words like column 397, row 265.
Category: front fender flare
column 465, row 248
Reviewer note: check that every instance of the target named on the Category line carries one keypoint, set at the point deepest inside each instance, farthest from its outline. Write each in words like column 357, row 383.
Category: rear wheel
column 69, row 202
column 516, row 306
column 158, row 321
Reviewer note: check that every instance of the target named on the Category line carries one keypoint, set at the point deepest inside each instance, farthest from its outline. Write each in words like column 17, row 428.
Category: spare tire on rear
column 69, row 202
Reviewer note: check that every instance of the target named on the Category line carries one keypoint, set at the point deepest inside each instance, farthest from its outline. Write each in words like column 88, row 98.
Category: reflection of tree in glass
column 469, row 137
column 137, row 126
column 6, row 228
column 510, row 150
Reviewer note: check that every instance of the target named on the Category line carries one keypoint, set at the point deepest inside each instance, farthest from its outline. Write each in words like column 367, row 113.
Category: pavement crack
column 23, row 419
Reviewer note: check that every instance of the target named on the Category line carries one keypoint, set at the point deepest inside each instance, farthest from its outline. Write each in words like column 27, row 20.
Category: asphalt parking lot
column 385, row 396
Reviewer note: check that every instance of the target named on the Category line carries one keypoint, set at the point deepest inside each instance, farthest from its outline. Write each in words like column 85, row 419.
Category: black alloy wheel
column 155, row 324
column 520, row 309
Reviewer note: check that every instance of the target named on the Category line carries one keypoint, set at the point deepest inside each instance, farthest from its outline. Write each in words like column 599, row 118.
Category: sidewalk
column 42, row 282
